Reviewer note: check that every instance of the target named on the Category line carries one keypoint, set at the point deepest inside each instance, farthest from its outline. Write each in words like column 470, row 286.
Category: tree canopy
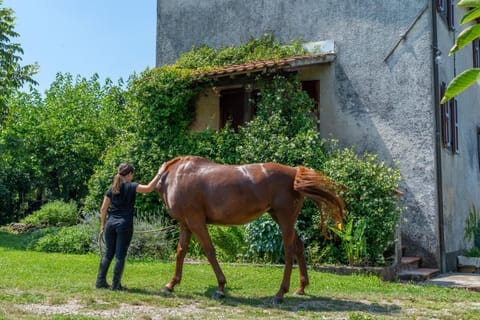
column 13, row 75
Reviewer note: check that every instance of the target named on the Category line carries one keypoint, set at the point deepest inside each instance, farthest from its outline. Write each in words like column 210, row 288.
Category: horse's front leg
column 201, row 233
column 185, row 236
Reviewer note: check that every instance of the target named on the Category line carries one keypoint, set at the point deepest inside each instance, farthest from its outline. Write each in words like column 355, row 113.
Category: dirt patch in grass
column 109, row 311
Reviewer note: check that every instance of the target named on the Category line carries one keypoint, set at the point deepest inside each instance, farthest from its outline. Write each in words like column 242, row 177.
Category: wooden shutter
column 445, row 109
column 450, row 15
column 476, row 53
column 441, row 6
column 454, row 126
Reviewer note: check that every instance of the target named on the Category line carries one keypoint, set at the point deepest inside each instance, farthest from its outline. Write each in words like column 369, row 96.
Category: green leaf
column 465, row 37
column 470, row 15
column 460, row 83
column 468, row 3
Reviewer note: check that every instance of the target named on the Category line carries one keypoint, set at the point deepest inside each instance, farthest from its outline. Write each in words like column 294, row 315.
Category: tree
column 12, row 74
column 468, row 77
column 50, row 146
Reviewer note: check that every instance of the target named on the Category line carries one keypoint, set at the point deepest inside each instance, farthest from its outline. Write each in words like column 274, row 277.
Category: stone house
column 377, row 78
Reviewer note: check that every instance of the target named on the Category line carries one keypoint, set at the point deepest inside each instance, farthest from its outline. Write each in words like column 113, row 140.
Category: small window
column 312, row 88
column 232, row 107
column 476, row 53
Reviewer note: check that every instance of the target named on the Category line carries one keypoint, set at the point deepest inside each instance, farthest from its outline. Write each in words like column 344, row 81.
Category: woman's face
column 129, row 177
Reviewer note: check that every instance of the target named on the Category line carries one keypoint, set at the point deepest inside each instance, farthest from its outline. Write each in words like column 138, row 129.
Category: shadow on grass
column 292, row 303
column 13, row 241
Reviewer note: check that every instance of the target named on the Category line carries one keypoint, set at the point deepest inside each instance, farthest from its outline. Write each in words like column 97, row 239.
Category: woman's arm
column 103, row 211
column 142, row 188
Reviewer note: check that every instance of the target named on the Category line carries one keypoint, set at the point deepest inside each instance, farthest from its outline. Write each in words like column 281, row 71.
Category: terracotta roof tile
column 256, row 66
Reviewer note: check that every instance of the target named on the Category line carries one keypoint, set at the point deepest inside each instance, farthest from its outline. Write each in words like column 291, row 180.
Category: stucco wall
column 385, row 107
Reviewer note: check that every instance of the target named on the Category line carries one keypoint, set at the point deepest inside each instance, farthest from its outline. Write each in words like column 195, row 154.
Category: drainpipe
column 438, row 142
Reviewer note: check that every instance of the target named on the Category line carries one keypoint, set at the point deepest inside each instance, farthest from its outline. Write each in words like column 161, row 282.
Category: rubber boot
column 117, row 275
column 102, row 274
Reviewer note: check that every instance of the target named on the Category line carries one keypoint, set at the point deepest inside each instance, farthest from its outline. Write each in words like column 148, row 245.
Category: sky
column 113, row 38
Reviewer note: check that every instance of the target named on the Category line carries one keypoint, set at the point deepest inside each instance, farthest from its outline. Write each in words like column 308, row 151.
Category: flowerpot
column 466, row 269
column 468, row 261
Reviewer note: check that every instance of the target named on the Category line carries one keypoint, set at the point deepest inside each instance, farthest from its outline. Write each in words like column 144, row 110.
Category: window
column 476, row 53
column 312, row 87
column 232, row 107
column 239, row 105
column 450, row 132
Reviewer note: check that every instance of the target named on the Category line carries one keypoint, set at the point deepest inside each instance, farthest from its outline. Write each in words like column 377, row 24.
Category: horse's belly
column 228, row 211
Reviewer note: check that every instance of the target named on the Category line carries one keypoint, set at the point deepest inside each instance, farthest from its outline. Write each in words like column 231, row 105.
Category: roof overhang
column 319, row 53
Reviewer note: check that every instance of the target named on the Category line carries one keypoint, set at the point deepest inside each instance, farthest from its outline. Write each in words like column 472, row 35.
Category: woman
column 119, row 201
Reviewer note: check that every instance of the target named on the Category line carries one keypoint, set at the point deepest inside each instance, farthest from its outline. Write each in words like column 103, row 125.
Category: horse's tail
column 321, row 190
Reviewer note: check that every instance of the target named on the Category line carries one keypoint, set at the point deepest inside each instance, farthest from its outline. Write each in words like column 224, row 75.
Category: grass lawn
column 37, row 285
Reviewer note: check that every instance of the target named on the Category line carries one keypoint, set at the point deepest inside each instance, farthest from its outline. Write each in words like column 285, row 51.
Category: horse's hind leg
column 201, row 233
column 289, row 238
column 185, row 236
column 302, row 265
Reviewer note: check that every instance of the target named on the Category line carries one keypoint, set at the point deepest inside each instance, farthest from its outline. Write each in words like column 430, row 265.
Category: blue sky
column 113, row 38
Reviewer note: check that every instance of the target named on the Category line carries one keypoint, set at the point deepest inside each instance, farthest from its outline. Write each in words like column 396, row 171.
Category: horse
column 197, row 192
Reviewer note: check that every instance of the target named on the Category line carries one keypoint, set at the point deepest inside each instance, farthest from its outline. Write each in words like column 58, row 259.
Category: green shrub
column 369, row 196
column 264, row 240
column 78, row 239
column 229, row 242
column 56, row 213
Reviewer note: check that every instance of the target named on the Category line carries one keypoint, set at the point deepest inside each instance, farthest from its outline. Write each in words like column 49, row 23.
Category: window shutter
column 450, row 16
column 445, row 118
column 454, row 119
column 441, row 6
column 476, row 53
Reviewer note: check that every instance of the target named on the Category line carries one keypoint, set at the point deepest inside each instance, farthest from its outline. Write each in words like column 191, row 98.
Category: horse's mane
column 170, row 163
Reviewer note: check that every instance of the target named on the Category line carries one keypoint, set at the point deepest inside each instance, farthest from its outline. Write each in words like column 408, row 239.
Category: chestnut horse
column 198, row 192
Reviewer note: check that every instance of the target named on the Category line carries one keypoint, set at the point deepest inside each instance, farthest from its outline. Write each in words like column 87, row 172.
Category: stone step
column 410, row 263
column 419, row 274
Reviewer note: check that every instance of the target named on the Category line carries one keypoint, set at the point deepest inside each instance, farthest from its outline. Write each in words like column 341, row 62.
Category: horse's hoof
column 218, row 295
column 167, row 291
column 276, row 300
column 300, row 292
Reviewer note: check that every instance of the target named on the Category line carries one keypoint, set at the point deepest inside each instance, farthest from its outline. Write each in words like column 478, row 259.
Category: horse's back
column 226, row 194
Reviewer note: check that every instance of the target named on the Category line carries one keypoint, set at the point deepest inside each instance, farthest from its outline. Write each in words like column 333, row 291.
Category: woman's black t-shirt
column 122, row 205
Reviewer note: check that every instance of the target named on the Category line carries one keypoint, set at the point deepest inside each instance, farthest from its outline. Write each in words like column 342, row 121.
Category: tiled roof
column 268, row 65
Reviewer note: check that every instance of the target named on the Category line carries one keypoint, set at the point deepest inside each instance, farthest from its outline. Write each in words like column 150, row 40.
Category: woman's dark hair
column 123, row 170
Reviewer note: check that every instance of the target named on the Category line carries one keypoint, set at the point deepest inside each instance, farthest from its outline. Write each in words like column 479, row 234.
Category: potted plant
column 470, row 262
